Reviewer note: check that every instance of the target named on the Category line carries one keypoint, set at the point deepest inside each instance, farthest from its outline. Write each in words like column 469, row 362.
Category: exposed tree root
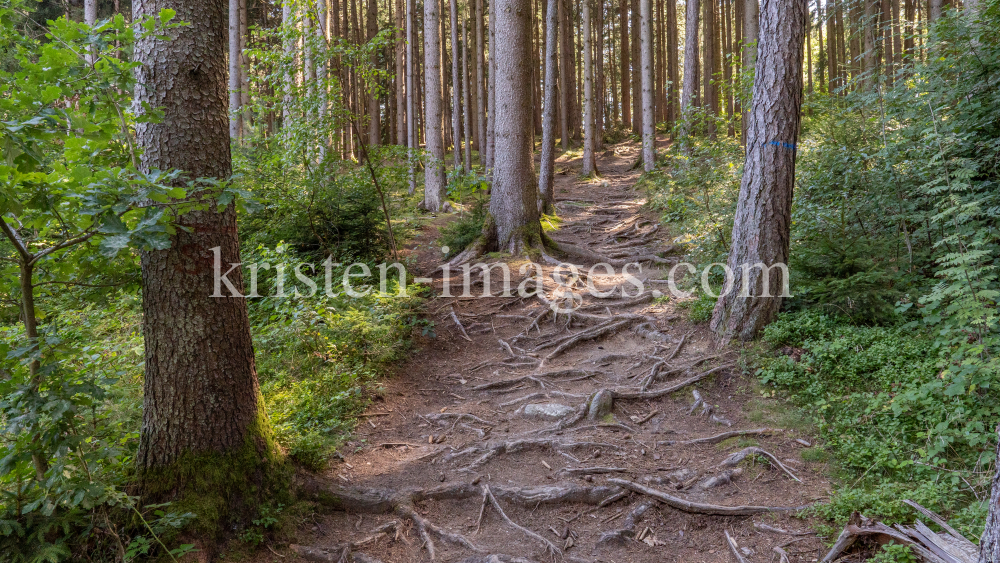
column 609, row 327
column 496, row 558
column 546, row 395
column 722, row 437
column 590, row 470
column 515, row 446
column 724, row 478
column 632, row 395
column 488, row 496
column 739, row 456
column 458, row 323
column 700, row 508
column 509, row 384
column 425, row 528
column 586, row 255
column 627, row 531
column 767, row 528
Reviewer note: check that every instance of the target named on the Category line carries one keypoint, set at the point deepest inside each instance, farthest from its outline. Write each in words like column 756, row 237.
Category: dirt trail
column 480, row 449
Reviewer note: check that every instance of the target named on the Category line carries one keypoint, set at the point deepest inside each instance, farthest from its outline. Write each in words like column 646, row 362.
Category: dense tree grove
column 198, row 198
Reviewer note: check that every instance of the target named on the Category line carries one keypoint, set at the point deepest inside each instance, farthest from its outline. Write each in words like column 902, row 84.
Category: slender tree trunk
column 204, row 432
column 246, row 116
column 934, row 10
column 547, row 162
column 589, row 165
column 513, row 205
column 646, row 56
column 689, row 94
column 466, row 97
column 841, row 45
column 401, row 91
column 819, row 40
column 601, row 101
column 411, row 94
column 626, row 69
column 761, row 229
column 831, row 49
column 989, row 543
column 374, row 109
column 809, row 55
column 90, row 18
column 565, row 72
column 480, row 84
column 234, row 67
column 673, row 72
column 751, row 27
column 456, row 86
column 537, row 56
column 869, row 30
column 909, row 28
column 434, row 177
column 855, row 12
column 289, row 48
column 446, row 79
column 739, row 7
column 491, row 122
column 885, row 29
column 708, row 64
column 636, row 68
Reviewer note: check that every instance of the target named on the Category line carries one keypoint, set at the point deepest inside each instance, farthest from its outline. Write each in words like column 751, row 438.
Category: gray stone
column 546, row 411
column 601, row 404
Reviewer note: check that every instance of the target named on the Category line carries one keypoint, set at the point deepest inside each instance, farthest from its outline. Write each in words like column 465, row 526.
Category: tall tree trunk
column 446, row 80
column 689, row 94
column 869, row 30
column 646, row 57
column 456, row 86
column 411, row 95
column 751, row 28
column 626, row 69
column 401, row 90
column 589, row 165
column 989, row 543
column 478, row 21
column 289, row 58
column 547, row 162
column 885, row 27
column 235, row 115
column 673, row 72
column 809, row 48
column 761, row 229
column 565, row 72
column 434, row 177
column 855, row 12
column 245, row 113
column 841, row 45
column 708, row 65
column 491, row 122
column 636, row 69
column 466, row 97
column 727, row 64
column 601, row 110
column 659, row 65
column 374, row 109
column 204, row 432
column 537, row 56
column 831, row 47
column 934, row 10
column 513, row 205
column 909, row 28
column 819, row 39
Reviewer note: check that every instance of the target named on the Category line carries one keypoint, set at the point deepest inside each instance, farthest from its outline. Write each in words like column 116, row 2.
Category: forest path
column 493, row 415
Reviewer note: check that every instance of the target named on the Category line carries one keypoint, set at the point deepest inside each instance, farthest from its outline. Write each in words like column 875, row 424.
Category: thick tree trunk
column 456, row 88
column 513, row 205
column 689, row 93
column 204, row 433
column 434, row 177
column 934, row 10
column 491, row 121
column 547, row 162
column 626, row 69
column 646, row 56
column 762, row 223
column 989, row 543
column 466, row 97
column 589, row 164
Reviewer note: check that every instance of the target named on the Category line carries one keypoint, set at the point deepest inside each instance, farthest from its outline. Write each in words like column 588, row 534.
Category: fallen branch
column 742, row 454
column 700, row 508
column 454, row 317
column 488, row 495
column 722, row 437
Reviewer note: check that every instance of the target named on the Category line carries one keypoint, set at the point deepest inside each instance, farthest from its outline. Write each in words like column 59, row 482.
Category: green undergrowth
column 887, row 418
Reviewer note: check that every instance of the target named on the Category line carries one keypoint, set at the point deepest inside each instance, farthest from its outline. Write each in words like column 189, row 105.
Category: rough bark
column 245, row 113
column 491, row 101
column 374, row 110
column 868, row 59
column 600, row 110
column 513, row 204
column 456, row 88
column 934, row 10
column 434, row 177
column 636, row 64
column 547, row 162
column 589, row 164
column 751, row 30
column 989, row 543
column 689, row 93
column 763, row 211
column 727, row 67
column 565, row 76
column 204, row 431
column 646, row 56
column 673, row 71
column 90, row 18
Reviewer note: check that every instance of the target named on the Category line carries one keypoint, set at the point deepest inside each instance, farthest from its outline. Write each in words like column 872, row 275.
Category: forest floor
column 452, row 457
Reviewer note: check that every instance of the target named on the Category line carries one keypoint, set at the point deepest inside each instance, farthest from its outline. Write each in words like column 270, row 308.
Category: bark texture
column 547, row 162
column 456, row 88
column 589, row 165
column 646, row 56
column 434, row 178
column 989, row 543
column 763, row 211
column 513, row 199
column 689, row 92
column 201, row 401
